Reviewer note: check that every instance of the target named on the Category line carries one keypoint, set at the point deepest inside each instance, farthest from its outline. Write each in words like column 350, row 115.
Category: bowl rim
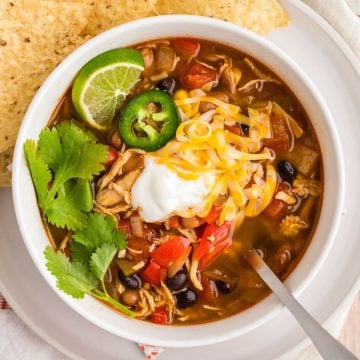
column 158, row 21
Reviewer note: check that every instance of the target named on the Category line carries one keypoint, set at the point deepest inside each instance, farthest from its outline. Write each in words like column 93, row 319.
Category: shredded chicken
column 120, row 287
column 134, row 250
column 109, row 197
column 121, row 254
column 125, row 183
column 188, row 233
column 193, row 275
column 305, row 187
column 212, row 308
column 259, row 73
column 153, row 297
column 120, row 191
column 182, row 316
column 65, row 241
column 114, row 194
column 112, row 211
column 284, row 196
column 116, row 169
column 291, row 225
column 230, row 76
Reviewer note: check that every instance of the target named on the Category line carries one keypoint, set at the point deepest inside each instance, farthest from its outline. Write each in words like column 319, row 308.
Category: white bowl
column 52, row 90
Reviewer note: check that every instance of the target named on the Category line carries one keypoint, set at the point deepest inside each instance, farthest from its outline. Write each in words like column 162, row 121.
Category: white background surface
column 17, row 341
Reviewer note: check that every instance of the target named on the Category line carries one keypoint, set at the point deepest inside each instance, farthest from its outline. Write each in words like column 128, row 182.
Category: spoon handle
column 328, row 347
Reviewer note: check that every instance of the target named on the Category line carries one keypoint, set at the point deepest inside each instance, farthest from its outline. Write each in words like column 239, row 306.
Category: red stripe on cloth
column 3, row 304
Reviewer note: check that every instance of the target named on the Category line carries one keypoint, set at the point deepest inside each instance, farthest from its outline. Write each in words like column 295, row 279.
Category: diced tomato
column 124, row 225
column 186, row 47
column 160, row 316
column 154, row 273
column 212, row 255
column 174, row 222
column 140, row 247
column 277, row 207
column 213, row 215
column 210, row 292
column 112, row 156
column 235, row 129
column 213, row 236
column 170, row 251
column 197, row 75
column 280, row 141
column 279, row 144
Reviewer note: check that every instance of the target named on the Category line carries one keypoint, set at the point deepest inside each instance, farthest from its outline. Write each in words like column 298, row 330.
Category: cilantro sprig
column 61, row 164
column 93, row 250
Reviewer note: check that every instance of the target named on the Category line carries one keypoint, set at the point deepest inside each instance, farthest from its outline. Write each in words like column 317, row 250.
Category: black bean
column 131, row 282
column 245, row 129
column 178, row 281
column 224, row 287
column 286, row 170
column 167, row 85
column 185, row 299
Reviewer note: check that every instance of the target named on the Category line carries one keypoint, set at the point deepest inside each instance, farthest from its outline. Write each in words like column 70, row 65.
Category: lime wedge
column 103, row 83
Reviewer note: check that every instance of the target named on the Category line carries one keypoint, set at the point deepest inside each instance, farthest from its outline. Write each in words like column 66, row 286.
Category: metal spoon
column 328, row 347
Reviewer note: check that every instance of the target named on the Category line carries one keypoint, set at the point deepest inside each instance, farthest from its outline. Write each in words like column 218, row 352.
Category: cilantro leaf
column 39, row 170
column 101, row 260
column 93, row 250
column 74, row 199
column 50, row 148
column 80, row 252
column 100, row 230
column 74, row 279
column 81, row 156
column 70, row 153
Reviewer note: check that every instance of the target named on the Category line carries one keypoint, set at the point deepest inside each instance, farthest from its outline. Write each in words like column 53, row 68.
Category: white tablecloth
column 18, row 342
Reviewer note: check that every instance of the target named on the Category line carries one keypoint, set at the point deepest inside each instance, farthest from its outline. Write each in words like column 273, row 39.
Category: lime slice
column 103, row 83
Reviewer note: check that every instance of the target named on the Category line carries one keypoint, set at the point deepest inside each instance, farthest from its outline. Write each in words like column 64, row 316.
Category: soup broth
column 158, row 282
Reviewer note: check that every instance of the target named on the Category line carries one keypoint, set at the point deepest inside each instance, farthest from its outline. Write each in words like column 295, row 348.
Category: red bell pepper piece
column 160, row 316
column 186, row 47
column 154, row 273
column 214, row 235
column 197, row 75
column 170, row 251
column 213, row 215
column 211, row 256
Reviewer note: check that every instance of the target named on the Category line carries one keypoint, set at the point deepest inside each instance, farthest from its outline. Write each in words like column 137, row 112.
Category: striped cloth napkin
column 348, row 27
column 3, row 304
column 151, row 352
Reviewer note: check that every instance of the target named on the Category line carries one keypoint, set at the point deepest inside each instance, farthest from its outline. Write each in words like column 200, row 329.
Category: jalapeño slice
column 149, row 120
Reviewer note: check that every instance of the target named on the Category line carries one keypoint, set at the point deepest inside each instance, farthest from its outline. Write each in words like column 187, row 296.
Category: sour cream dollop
column 159, row 191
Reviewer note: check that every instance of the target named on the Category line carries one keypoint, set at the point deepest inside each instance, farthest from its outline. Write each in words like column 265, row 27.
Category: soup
column 162, row 166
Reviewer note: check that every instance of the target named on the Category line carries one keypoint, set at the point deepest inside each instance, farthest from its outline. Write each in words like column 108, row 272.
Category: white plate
column 334, row 69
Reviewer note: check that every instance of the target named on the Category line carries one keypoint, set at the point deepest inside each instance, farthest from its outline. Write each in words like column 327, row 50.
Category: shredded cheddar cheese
column 239, row 163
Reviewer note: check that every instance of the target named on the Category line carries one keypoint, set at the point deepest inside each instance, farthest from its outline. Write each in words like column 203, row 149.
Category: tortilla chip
column 35, row 36
column 5, row 160
column 109, row 13
column 261, row 16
